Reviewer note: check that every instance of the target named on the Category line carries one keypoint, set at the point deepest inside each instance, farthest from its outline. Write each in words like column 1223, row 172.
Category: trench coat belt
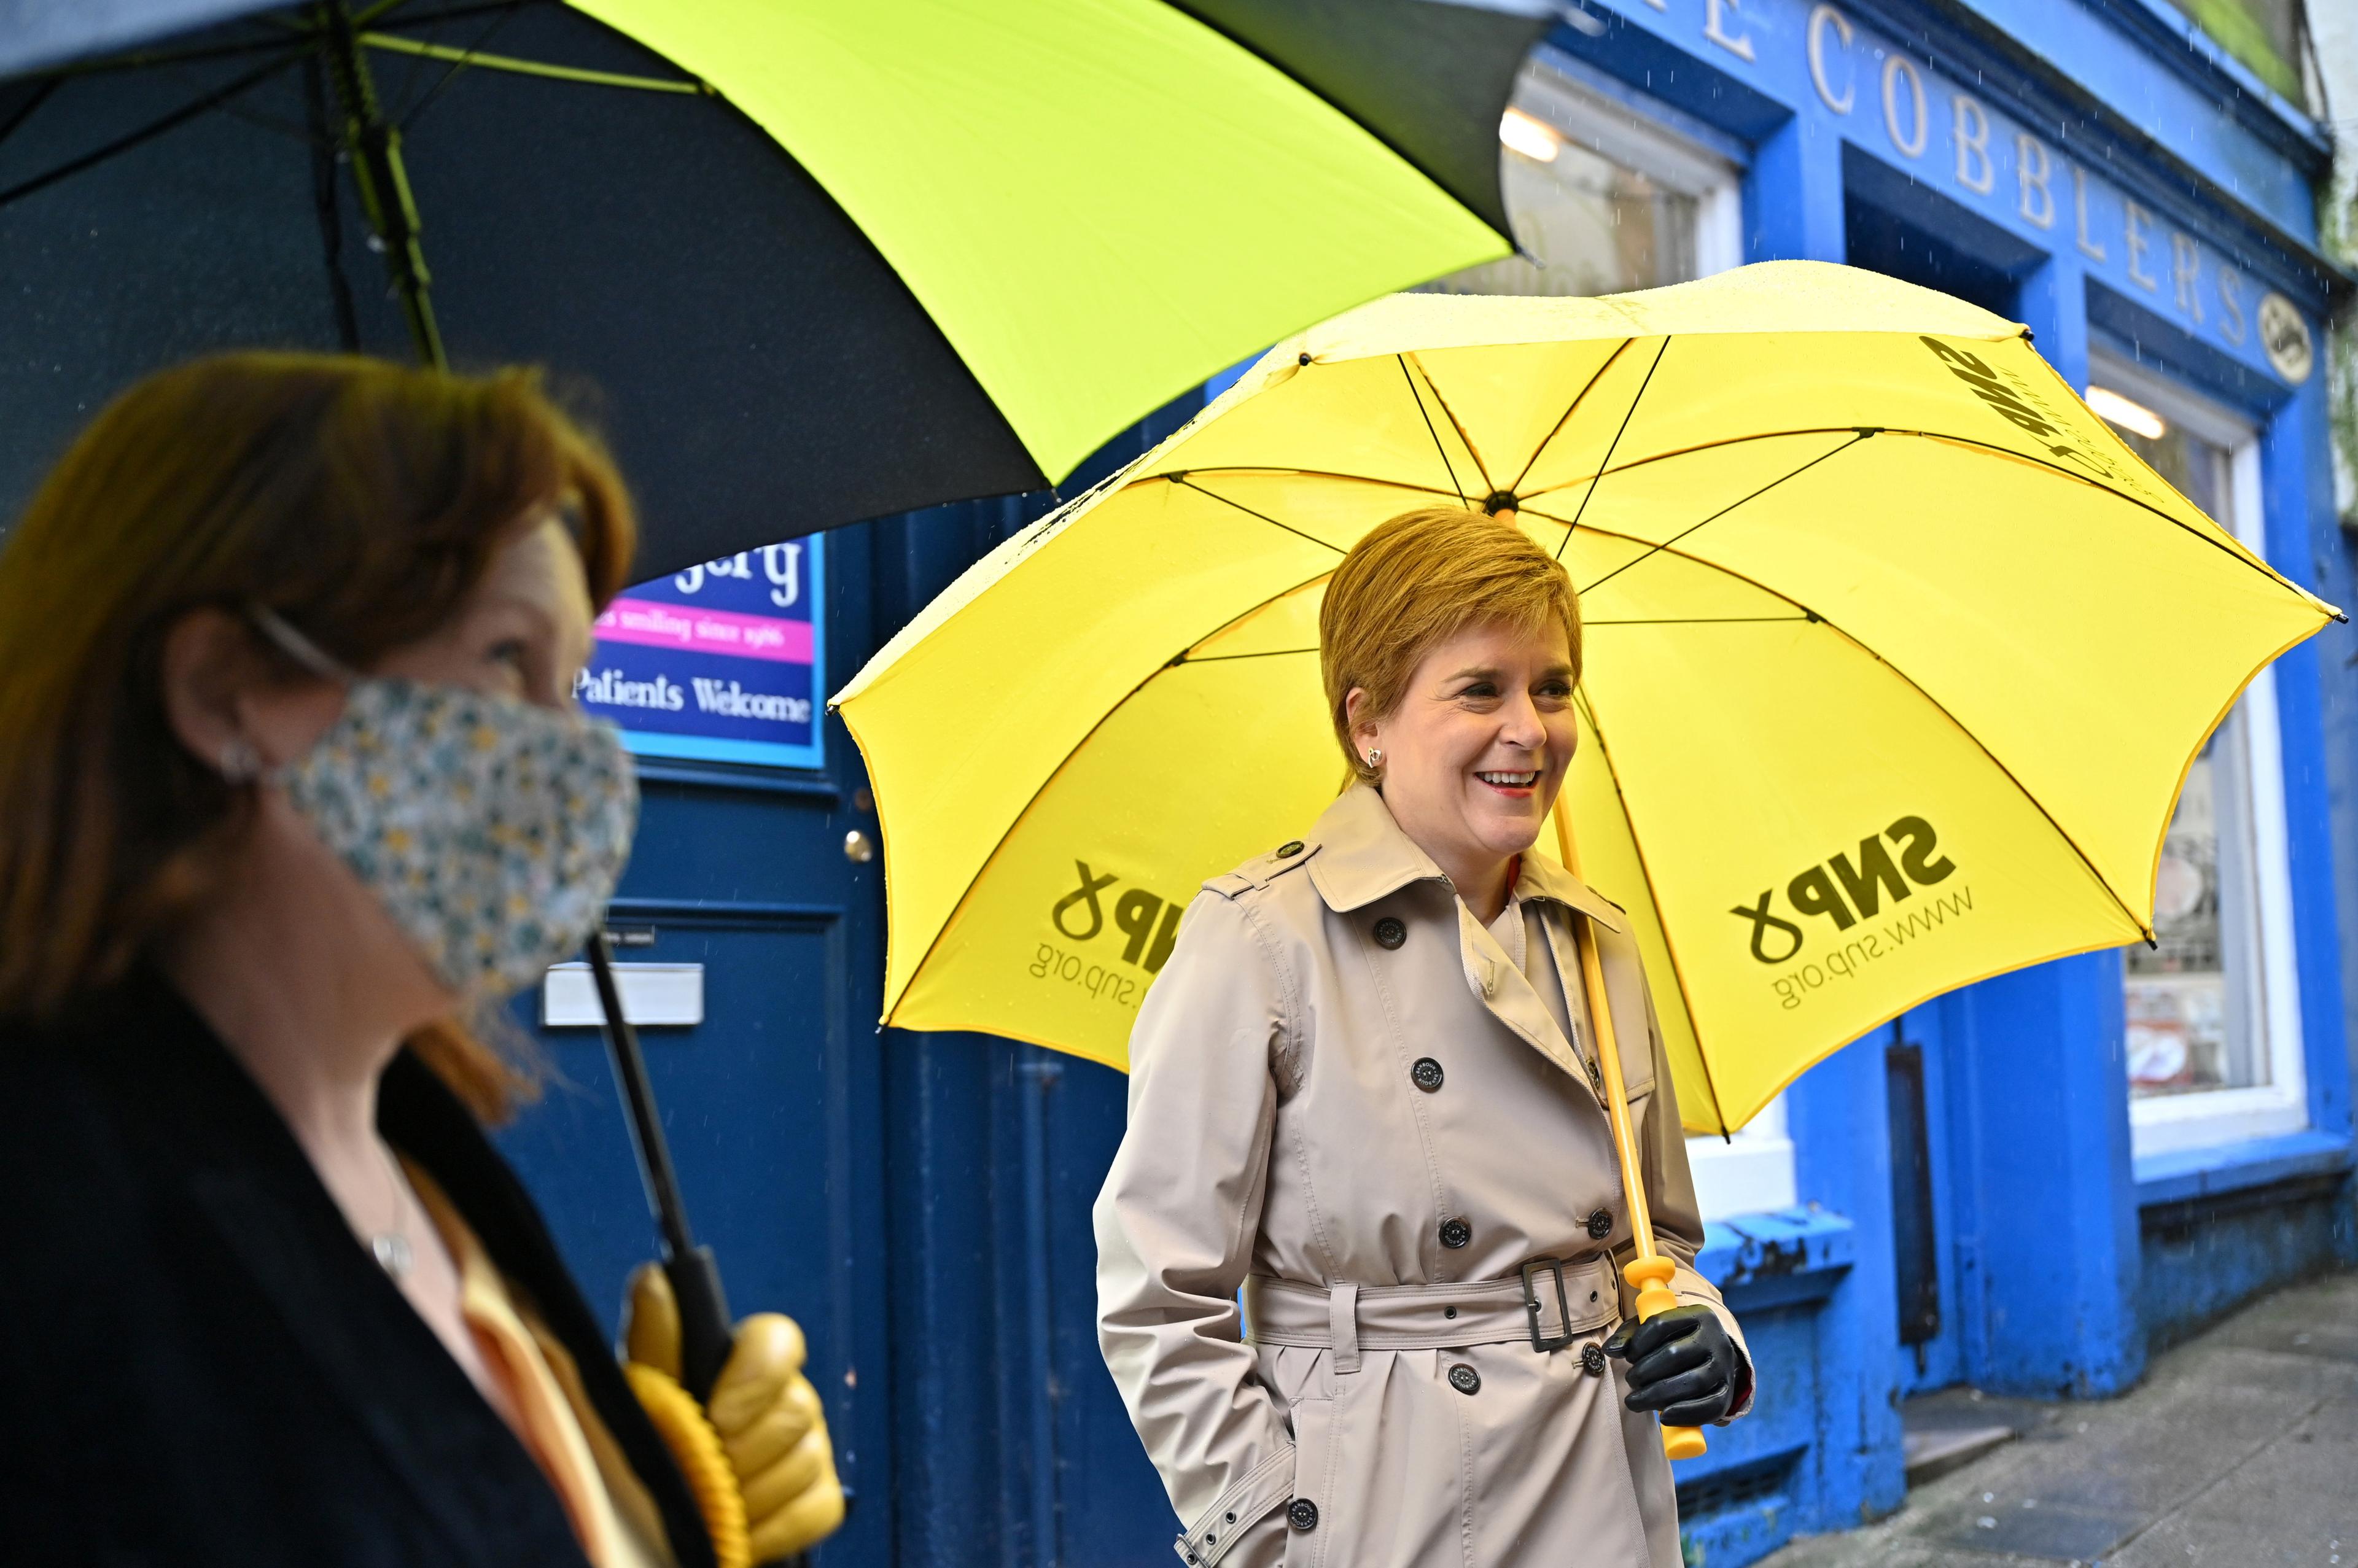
column 1347, row 1319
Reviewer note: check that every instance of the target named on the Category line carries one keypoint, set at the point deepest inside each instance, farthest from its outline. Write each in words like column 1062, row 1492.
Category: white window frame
column 2170, row 1124
column 1588, row 110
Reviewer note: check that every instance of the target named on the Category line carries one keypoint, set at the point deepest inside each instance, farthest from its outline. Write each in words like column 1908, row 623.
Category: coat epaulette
column 1259, row 871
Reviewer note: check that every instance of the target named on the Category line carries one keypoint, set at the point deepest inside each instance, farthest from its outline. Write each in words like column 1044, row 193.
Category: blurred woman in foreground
column 292, row 786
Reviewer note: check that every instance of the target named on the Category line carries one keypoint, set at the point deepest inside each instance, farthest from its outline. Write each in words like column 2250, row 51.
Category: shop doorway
column 748, row 927
column 1905, row 231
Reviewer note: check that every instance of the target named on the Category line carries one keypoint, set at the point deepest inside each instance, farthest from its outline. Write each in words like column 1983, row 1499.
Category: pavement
column 2238, row 1450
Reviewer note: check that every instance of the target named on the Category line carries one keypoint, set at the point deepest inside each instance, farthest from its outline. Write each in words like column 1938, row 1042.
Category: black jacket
column 199, row 1364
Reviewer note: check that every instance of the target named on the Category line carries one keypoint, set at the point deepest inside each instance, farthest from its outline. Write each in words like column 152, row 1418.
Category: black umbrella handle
column 705, row 1335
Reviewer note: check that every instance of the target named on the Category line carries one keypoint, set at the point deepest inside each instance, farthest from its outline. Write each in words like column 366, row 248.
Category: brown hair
column 1418, row 580
column 360, row 500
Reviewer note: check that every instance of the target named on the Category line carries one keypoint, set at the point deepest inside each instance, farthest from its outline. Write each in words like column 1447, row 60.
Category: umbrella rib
column 1678, row 971
column 1182, row 478
column 1439, row 451
column 1609, row 450
column 1300, row 473
column 983, row 866
column 426, row 100
column 325, row 208
column 34, row 100
column 2055, row 468
column 1537, row 453
column 1065, row 760
column 1856, row 436
column 1993, row 449
column 436, row 18
column 1464, row 437
column 1704, row 620
column 2024, row 790
column 1652, row 458
column 155, row 128
column 463, row 57
column 1939, row 707
column 1186, row 658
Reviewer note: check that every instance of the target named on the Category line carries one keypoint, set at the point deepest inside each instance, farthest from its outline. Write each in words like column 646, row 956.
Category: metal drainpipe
column 1040, row 1073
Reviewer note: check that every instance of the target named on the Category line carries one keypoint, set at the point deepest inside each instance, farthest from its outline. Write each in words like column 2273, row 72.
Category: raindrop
column 1986, row 1522
column 1989, row 1497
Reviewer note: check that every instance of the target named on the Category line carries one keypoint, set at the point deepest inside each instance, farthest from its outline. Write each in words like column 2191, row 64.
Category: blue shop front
column 2031, row 1186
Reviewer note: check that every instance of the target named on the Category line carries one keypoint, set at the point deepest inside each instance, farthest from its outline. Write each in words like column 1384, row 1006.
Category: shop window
column 2213, row 1007
column 1602, row 200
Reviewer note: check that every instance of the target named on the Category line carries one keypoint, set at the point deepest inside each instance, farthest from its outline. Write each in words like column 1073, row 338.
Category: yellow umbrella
column 1897, row 658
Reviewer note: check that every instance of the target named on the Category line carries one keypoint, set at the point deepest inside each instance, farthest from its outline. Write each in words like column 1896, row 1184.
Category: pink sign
column 658, row 625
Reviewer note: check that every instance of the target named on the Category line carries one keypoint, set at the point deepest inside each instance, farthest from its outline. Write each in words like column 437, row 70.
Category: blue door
column 771, row 1101
column 919, row 1203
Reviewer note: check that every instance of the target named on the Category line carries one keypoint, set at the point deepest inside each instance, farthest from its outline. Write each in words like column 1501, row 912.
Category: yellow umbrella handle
column 1650, row 1272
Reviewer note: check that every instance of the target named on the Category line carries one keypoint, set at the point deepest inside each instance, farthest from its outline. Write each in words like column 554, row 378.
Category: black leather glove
column 1683, row 1363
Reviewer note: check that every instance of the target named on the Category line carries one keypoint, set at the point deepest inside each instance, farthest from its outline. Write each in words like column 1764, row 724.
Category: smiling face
column 1477, row 748
column 524, row 631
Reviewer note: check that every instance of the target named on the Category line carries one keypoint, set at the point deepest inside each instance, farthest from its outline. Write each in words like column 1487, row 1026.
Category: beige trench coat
column 1347, row 1099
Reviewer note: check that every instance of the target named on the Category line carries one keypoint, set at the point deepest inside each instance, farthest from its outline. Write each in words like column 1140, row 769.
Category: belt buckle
column 1533, row 1305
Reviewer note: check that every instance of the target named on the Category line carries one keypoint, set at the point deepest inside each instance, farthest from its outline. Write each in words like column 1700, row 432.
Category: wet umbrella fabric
column 997, row 238
column 1895, row 660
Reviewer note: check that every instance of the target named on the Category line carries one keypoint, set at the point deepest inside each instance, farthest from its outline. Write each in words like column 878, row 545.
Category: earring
column 1374, row 756
column 240, row 762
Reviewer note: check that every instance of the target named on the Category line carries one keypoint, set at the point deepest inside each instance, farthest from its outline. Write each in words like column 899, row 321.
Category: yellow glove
column 765, row 1411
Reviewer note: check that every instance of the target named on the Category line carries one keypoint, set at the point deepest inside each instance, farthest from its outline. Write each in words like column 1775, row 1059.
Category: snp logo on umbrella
column 1146, row 924
column 1847, row 889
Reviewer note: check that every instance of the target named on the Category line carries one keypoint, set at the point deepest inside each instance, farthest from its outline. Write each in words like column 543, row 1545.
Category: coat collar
column 1363, row 855
column 207, row 1122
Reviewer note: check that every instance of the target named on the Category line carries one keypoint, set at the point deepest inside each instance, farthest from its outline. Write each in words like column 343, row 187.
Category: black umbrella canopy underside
column 759, row 369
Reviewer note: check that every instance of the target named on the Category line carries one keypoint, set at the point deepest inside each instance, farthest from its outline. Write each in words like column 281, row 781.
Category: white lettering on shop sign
column 2183, row 278
column 1715, row 15
column 782, row 564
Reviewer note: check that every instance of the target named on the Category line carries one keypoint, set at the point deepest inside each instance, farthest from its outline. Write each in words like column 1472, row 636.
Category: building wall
column 2142, row 201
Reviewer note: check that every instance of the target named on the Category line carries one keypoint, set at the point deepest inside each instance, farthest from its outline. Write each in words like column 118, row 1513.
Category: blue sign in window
column 721, row 662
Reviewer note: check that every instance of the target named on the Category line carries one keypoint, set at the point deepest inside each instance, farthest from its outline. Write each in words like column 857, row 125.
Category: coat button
column 1426, row 1075
column 1592, row 1359
column 1455, row 1233
column 1302, row 1514
column 1600, row 1224
column 1464, row 1378
column 1290, row 848
column 1390, row 931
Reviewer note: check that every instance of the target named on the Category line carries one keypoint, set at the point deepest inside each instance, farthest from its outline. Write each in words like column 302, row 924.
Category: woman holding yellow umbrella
column 1366, row 1088
column 1896, row 660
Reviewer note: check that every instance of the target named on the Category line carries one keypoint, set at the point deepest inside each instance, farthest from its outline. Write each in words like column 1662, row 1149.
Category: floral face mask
column 492, row 830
